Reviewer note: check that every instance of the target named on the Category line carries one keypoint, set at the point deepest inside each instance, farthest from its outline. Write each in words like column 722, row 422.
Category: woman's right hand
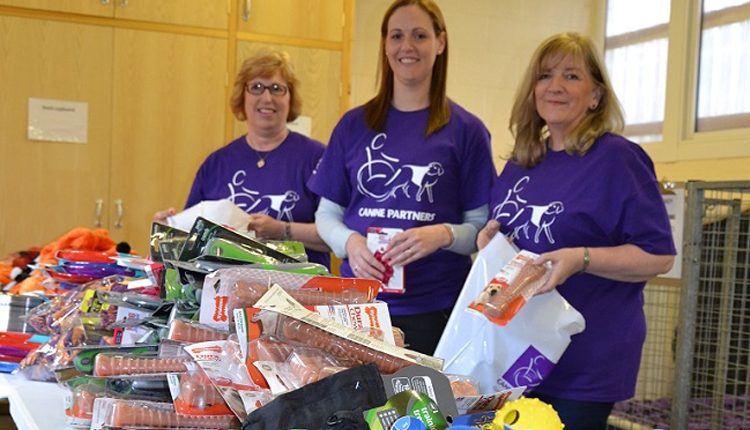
column 487, row 233
column 361, row 260
column 162, row 216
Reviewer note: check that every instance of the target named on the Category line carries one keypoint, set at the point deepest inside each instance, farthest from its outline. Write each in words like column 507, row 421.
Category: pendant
column 261, row 163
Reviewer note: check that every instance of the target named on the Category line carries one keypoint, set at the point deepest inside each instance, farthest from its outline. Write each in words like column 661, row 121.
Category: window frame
column 680, row 139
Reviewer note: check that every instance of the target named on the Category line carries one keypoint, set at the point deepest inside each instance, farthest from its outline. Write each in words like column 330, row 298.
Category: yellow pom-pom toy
column 527, row 414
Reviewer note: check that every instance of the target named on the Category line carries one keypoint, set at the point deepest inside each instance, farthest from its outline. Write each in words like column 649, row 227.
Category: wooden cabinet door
column 319, row 73
column 194, row 13
column 305, row 19
column 84, row 7
column 169, row 104
column 48, row 188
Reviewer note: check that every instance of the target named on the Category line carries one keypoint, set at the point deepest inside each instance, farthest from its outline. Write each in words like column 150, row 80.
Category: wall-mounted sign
column 675, row 202
column 58, row 120
column 302, row 125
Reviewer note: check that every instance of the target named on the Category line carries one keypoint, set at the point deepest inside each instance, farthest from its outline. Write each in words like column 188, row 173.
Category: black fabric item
column 333, row 403
column 422, row 332
column 123, row 247
column 347, row 420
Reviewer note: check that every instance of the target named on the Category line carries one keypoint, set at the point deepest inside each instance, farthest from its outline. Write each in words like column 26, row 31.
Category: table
column 34, row 405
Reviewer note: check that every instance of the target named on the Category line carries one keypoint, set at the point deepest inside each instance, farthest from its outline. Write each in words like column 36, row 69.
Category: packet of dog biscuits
column 511, row 288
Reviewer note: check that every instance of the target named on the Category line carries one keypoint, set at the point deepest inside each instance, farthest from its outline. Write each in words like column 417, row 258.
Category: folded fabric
column 333, row 403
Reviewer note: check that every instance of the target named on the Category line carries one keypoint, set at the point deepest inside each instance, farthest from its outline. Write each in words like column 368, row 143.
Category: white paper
column 222, row 212
column 675, row 204
column 58, row 120
column 302, row 125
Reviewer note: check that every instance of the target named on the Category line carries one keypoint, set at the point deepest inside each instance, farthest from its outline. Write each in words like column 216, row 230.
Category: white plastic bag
column 520, row 354
column 223, row 212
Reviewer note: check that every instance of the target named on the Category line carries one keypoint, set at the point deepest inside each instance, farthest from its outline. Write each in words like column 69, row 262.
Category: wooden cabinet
column 168, row 114
column 156, row 76
column 47, row 188
column 305, row 19
column 83, row 7
column 155, row 108
column 196, row 13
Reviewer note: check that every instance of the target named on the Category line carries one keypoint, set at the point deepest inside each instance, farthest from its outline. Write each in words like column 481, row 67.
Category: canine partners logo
column 526, row 219
column 529, row 369
column 279, row 206
column 381, row 177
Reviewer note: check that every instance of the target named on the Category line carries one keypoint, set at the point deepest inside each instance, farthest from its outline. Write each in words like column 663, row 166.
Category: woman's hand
column 565, row 263
column 162, row 216
column 266, row 227
column 361, row 260
column 412, row 244
column 486, row 234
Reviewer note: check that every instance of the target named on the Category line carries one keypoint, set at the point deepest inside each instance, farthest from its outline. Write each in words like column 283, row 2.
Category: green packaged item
column 218, row 247
column 291, row 248
column 406, row 403
column 183, row 280
column 213, row 264
column 165, row 242
column 204, row 231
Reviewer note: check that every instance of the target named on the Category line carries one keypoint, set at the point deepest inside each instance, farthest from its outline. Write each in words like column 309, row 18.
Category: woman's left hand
column 266, row 227
column 410, row 245
column 565, row 263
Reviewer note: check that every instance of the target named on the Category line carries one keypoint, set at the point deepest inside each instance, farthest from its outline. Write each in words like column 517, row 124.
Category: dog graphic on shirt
column 523, row 216
column 381, row 177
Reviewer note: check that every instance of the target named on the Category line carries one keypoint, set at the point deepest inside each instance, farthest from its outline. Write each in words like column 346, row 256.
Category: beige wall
column 490, row 44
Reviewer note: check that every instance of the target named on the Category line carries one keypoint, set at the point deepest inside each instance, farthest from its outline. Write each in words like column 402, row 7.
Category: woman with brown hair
column 412, row 161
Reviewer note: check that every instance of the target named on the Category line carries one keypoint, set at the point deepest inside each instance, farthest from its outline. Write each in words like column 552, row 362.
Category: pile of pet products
column 217, row 330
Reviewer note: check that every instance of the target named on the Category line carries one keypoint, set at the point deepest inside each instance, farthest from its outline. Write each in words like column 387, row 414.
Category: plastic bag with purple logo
column 523, row 352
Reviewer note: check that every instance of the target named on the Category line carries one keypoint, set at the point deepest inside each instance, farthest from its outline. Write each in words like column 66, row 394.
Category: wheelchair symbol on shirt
column 279, row 206
column 381, row 177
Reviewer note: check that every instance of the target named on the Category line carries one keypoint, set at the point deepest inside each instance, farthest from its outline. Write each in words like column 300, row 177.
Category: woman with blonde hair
column 587, row 200
column 412, row 161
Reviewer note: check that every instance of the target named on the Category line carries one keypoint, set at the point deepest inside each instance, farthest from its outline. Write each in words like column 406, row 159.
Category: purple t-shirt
column 402, row 179
column 277, row 190
column 608, row 197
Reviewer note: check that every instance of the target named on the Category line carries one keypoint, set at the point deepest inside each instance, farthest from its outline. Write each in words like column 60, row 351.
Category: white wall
column 490, row 44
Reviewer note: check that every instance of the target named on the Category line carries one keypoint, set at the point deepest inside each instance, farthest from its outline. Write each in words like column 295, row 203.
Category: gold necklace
column 261, row 160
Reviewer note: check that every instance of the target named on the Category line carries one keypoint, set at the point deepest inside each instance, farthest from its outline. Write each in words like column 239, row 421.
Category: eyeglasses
column 274, row 89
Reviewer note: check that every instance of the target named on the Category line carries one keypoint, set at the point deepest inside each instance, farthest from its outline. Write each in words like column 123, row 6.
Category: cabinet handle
column 246, row 5
column 98, row 206
column 104, row 2
column 123, row 3
column 119, row 210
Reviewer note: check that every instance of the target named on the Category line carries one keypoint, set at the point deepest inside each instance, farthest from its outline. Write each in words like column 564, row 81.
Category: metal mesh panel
column 650, row 407
column 703, row 382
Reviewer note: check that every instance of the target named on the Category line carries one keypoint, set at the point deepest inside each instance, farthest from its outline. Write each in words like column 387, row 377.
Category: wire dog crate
column 695, row 371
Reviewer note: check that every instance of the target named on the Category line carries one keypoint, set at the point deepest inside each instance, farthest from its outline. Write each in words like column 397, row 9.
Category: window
column 723, row 99
column 636, row 57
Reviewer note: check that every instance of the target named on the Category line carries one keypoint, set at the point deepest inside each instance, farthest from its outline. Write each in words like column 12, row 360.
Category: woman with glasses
column 264, row 172
column 587, row 200
column 413, row 161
